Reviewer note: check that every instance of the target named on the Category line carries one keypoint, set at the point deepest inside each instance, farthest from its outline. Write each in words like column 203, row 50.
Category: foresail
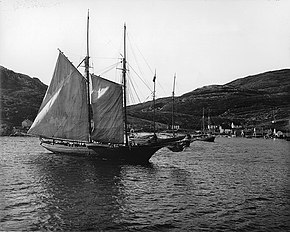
column 63, row 112
column 107, row 105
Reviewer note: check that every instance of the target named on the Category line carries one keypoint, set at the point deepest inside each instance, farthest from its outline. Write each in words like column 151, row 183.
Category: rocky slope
column 21, row 97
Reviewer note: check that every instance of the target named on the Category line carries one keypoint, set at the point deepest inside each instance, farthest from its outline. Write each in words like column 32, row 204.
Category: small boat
column 181, row 144
column 176, row 147
column 86, row 115
column 20, row 134
column 205, row 138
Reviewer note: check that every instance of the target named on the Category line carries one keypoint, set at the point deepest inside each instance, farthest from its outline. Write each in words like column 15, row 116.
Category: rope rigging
column 107, row 69
column 140, row 77
column 133, row 87
column 134, row 83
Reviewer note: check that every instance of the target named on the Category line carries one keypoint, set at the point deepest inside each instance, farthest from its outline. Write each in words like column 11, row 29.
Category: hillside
column 251, row 101
column 21, row 97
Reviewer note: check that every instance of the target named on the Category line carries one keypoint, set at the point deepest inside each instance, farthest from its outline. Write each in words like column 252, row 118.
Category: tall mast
column 124, row 82
column 203, row 120
column 173, row 104
column 208, row 121
column 87, row 73
column 154, row 78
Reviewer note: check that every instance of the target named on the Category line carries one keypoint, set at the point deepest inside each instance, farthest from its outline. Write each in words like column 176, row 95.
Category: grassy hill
column 252, row 101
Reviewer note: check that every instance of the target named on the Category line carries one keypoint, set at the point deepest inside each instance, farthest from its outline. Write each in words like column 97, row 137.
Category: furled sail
column 63, row 112
column 107, row 105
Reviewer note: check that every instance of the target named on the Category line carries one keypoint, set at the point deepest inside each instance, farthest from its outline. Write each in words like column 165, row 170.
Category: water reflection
column 86, row 193
column 228, row 185
column 77, row 192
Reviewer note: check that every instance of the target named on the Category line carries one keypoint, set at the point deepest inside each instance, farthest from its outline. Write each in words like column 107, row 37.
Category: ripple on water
column 229, row 185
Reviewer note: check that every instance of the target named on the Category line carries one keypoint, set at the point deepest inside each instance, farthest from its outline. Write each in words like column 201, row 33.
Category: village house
column 26, row 124
column 232, row 129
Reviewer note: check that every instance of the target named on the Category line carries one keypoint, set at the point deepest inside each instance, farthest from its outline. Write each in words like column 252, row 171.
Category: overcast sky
column 204, row 42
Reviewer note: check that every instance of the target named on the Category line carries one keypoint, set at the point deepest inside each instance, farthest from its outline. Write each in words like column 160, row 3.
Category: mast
column 124, row 82
column 173, row 104
column 87, row 74
column 208, row 122
column 203, row 129
column 154, row 78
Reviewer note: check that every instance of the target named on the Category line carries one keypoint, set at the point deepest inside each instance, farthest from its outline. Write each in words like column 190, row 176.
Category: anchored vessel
column 86, row 115
column 206, row 135
column 181, row 144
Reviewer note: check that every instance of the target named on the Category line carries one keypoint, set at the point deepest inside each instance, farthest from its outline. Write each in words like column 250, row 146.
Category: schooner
column 86, row 115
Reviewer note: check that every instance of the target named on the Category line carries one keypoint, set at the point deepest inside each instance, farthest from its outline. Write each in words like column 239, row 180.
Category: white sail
column 107, row 105
column 63, row 112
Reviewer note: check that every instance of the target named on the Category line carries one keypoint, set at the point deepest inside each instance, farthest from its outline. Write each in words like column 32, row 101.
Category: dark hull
column 135, row 154
column 140, row 153
column 208, row 138
column 179, row 146
column 176, row 147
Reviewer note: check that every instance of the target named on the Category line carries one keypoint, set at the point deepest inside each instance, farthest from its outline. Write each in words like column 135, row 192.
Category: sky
column 203, row 42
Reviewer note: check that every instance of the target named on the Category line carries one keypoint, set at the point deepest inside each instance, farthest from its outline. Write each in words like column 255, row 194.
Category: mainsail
column 63, row 112
column 107, row 105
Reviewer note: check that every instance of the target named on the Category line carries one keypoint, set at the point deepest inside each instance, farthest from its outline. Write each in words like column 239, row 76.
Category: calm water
column 230, row 185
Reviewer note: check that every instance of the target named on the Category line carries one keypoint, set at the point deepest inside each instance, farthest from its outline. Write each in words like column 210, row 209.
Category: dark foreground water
column 230, row 185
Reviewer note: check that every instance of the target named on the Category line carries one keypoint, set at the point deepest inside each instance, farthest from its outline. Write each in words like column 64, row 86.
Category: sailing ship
column 206, row 135
column 179, row 145
column 86, row 115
